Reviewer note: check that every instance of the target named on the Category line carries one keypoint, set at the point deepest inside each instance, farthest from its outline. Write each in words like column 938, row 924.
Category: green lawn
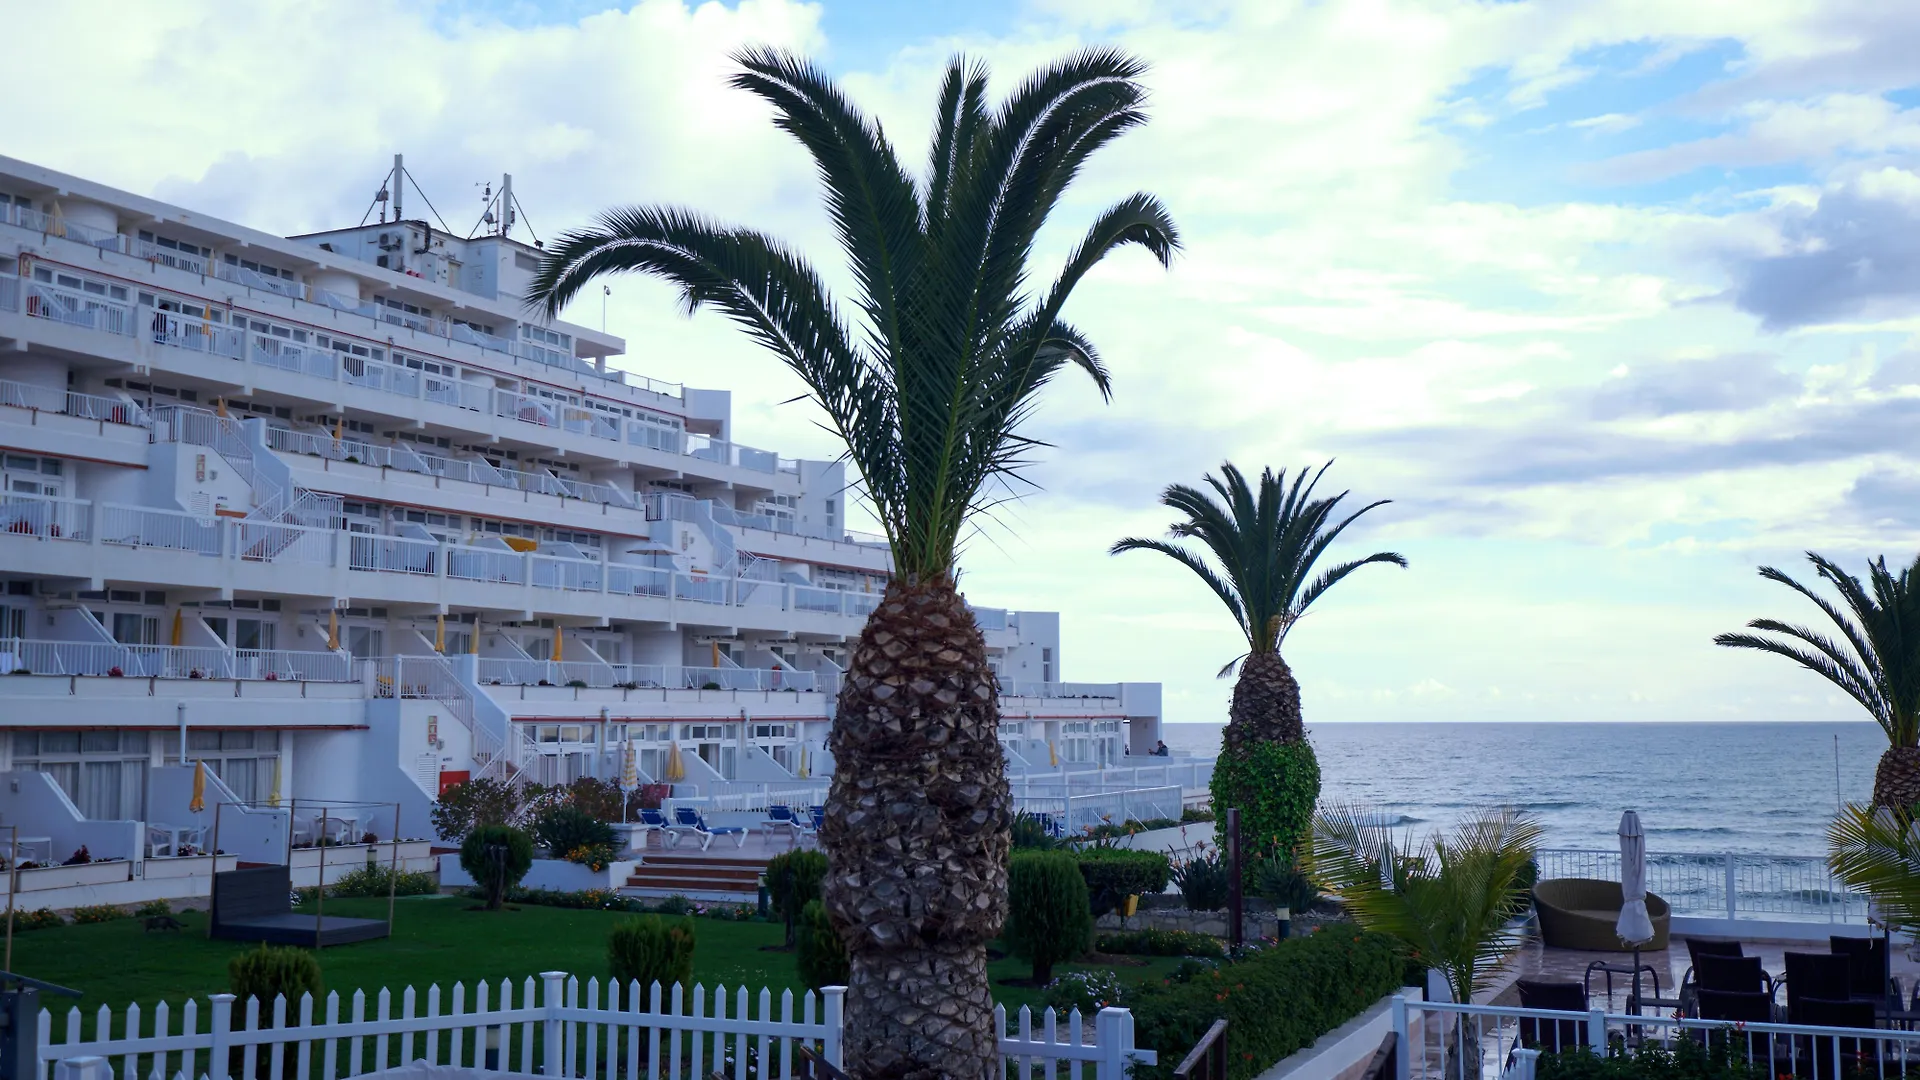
column 436, row 940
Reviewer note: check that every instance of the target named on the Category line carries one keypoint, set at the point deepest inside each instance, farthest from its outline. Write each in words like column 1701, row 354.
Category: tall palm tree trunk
column 1896, row 782
column 1267, row 769
column 917, row 838
column 1266, row 704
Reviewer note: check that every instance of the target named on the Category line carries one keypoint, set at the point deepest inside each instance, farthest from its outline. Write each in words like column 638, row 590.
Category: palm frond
column 931, row 387
column 1452, row 899
column 1879, row 664
column 1876, row 850
column 1263, row 545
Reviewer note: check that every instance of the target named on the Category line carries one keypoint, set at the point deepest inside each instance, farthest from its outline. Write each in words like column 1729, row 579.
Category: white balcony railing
column 1027, row 688
column 519, row 672
column 68, row 403
column 166, row 256
column 253, row 279
column 1725, row 885
column 78, row 308
column 44, row 517
column 139, row 526
column 113, row 659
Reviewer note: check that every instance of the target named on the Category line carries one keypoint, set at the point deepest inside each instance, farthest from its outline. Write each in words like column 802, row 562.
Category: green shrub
column 1275, row 787
column 822, row 955
column 793, row 881
column 1280, row 881
column 37, row 919
column 1048, row 917
column 648, row 949
column 97, row 913
column 467, row 806
column 564, row 828
column 1686, row 1059
column 153, row 909
column 496, row 857
column 1203, row 881
column 270, row 971
column 1030, row 833
column 1113, row 874
column 1192, row 814
column 375, row 880
column 1276, row 999
column 1160, row 943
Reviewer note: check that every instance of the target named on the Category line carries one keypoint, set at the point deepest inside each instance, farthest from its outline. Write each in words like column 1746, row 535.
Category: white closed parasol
column 1635, row 926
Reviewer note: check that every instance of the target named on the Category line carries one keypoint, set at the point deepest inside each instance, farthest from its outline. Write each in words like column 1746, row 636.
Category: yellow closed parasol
column 198, row 804
column 676, row 769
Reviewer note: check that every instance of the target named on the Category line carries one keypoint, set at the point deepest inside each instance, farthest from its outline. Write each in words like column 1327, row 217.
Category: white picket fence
column 573, row 1029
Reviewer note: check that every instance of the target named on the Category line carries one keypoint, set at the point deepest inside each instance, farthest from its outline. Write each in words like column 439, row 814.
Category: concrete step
column 690, row 886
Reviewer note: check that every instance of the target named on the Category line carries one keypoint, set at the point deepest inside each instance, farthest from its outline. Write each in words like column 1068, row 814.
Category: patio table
column 27, row 847
column 175, row 836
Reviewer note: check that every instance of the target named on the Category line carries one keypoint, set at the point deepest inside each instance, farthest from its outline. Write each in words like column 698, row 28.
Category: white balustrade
column 140, row 526
column 281, row 542
column 482, row 564
column 1725, row 885
column 165, row 256
column 68, row 403
column 78, row 308
column 253, row 279
column 392, row 555
column 44, row 516
column 572, row 575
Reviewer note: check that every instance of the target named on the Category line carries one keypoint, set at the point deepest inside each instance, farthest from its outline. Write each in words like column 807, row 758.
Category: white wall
column 34, row 802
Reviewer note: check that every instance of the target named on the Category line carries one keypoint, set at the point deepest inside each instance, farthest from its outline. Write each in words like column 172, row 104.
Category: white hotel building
column 337, row 516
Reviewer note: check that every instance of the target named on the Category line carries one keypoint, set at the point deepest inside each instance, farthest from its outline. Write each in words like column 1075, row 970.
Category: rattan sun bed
column 1580, row 913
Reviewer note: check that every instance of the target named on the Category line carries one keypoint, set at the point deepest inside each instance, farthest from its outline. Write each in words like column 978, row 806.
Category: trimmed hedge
column 477, row 859
column 821, row 955
column 1047, row 915
column 1116, row 873
column 794, row 879
column 1276, row 1000
column 648, row 949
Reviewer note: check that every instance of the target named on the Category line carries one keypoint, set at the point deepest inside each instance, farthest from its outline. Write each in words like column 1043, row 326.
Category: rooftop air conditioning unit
column 390, row 241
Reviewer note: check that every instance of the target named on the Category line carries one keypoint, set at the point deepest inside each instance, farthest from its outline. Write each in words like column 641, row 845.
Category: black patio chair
column 1870, row 978
column 1738, row 1007
column 1830, row 1057
column 1816, row 977
column 1538, row 1033
column 1732, row 974
column 1697, row 948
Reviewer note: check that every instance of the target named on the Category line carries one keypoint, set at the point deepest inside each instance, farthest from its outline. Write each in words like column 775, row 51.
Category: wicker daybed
column 1580, row 913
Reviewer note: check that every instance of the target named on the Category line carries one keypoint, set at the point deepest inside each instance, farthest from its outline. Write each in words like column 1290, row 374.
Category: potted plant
column 114, row 672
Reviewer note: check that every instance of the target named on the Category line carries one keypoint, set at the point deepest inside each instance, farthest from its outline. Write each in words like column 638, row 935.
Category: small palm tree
column 956, row 335
column 1876, row 850
column 1453, row 900
column 1265, row 546
column 1877, row 663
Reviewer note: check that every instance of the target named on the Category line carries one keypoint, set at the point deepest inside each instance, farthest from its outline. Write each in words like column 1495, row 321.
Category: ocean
column 1749, row 788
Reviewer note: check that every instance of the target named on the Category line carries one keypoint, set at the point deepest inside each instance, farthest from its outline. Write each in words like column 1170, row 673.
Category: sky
column 1616, row 300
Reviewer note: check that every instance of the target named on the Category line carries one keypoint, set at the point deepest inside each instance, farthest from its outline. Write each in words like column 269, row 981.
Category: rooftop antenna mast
column 392, row 188
column 399, row 183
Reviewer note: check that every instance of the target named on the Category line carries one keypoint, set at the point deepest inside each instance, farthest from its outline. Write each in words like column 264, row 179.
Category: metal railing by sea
column 1723, row 885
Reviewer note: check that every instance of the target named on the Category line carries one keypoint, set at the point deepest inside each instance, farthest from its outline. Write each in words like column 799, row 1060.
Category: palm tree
column 955, row 336
column 1878, row 665
column 1452, row 900
column 1876, row 850
column 1264, row 548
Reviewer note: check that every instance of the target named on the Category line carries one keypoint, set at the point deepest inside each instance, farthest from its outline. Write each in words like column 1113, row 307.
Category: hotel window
column 244, row 633
column 259, row 268
column 243, row 758
column 26, row 474
column 104, row 772
column 545, row 336
column 13, row 624
column 171, row 244
column 1046, row 665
